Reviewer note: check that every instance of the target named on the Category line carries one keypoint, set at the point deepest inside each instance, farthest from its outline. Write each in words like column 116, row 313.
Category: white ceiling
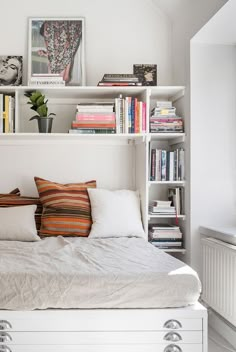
column 221, row 29
column 174, row 7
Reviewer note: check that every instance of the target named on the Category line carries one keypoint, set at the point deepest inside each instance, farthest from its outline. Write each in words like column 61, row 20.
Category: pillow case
column 66, row 208
column 14, row 192
column 15, row 200
column 17, row 224
column 115, row 213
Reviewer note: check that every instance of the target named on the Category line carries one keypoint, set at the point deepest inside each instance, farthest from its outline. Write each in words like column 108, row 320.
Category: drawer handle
column 172, row 336
column 171, row 348
column 5, row 337
column 4, row 325
column 4, row 348
column 172, row 324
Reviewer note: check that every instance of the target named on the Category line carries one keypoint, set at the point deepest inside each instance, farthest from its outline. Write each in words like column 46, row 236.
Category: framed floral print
column 56, row 50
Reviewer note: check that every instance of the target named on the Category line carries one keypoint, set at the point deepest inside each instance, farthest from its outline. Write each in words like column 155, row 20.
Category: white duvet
column 92, row 273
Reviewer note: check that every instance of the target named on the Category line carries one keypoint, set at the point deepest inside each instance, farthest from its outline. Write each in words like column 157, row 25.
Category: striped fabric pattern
column 66, row 208
column 15, row 200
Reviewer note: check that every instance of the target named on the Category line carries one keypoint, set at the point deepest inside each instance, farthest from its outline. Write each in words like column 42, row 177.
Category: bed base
column 105, row 330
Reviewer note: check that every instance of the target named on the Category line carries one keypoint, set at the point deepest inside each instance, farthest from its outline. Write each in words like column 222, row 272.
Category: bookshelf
column 133, row 147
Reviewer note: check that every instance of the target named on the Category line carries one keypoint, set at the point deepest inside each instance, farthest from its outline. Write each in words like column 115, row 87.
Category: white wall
column 188, row 16
column 213, row 142
column 118, row 33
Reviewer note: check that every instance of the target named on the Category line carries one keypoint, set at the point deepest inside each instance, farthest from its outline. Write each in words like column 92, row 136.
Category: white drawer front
column 104, row 348
column 64, row 323
column 97, row 338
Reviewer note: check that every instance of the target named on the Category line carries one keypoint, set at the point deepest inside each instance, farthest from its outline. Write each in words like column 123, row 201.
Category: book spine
column 144, row 119
column 6, row 114
column 95, row 117
column 132, row 114
column 1, row 113
column 163, row 165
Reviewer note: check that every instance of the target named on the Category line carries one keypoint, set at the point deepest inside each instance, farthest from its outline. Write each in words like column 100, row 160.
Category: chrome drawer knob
column 172, row 324
column 4, row 325
column 172, row 336
column 172, row 348
column 5, row 337
column 4, row 348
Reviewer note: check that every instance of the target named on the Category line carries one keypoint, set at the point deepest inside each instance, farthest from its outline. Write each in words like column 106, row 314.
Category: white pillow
column 115, row 213
column 18, row 224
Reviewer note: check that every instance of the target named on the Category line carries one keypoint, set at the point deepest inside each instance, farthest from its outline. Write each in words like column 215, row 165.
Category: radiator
column 219, row 277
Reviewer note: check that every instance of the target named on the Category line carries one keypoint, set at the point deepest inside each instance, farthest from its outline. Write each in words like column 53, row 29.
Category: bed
column 117, row 294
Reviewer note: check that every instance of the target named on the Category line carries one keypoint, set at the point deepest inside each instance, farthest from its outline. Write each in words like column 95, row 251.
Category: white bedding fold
column 92, row 273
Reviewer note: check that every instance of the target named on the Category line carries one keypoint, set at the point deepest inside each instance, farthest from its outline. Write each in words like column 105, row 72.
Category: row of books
column 167, row 165
column 7, row 113
column 174, row 205
column 164, row 119
column 165, row 236
column 130, row 115
column 124, row 115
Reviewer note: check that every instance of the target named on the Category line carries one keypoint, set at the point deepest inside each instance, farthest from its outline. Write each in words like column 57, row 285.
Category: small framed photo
column 147, row 74
column 56, row 50
column 11, row 69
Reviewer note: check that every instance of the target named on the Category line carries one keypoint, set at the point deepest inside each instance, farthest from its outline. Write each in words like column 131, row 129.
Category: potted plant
column 39, row 104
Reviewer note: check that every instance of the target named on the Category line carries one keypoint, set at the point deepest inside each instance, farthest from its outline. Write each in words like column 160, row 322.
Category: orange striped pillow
column 66, row 208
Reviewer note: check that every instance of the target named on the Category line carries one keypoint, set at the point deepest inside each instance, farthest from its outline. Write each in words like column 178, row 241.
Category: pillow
column 115, row 213
column 66, row 208
column 17, row 224
column 14, row 200
column 14, row 192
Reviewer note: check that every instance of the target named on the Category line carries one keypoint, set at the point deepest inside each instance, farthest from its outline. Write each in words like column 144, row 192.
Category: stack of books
column 113, row 79
column 164, row 119
column 130, row 115
column 165, row 236
column 96, row 117
column 161, row 207
column 46, row 80
column 167, row 165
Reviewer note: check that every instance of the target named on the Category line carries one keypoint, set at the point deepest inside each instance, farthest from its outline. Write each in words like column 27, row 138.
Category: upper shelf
column 164, row 92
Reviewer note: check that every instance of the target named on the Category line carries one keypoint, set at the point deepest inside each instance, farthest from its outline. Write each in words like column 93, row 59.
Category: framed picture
column 11, row 68
column 147, row 74
column 56, row 49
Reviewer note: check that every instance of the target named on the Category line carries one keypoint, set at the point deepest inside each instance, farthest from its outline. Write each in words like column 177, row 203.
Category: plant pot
column 45, row 124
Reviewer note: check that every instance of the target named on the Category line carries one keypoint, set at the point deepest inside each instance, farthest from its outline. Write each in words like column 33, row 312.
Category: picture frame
column 147, row 74
column 56, row 50
column 11, row 70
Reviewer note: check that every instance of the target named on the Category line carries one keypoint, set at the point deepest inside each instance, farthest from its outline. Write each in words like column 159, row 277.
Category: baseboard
column 222, row 327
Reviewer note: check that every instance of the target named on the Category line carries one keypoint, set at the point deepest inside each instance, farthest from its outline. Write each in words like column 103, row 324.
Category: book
column 160, row 203
column 147, row 73
column 93, row 131
column 118, row 84
column 119, row 77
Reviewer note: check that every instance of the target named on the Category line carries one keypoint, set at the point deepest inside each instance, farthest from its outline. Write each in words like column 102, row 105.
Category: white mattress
column 92, row 273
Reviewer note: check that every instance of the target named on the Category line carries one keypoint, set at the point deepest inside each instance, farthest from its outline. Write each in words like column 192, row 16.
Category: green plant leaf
column 40, row 100
column 42, row 110
column 35, row 117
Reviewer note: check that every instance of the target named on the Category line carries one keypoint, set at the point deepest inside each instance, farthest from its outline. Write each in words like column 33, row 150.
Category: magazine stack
column 162, row 207
column 113, row 79
column 93, row 118
column 46, row 80
column 165, row 236
column 164, row 119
